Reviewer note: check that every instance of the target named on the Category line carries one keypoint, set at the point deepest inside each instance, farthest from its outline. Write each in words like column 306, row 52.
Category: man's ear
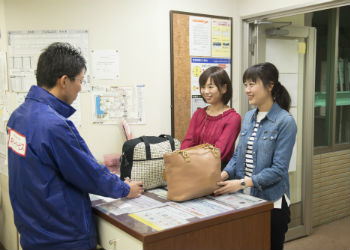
column 62, row 81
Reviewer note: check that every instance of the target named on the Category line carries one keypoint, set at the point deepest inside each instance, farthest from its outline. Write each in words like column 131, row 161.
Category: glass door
column 291, row 50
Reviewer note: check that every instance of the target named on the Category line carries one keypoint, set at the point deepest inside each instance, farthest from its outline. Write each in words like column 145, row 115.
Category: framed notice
column 197, row 43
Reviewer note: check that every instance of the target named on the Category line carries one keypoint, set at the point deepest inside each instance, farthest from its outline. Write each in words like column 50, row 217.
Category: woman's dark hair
column 220, row 78
column 57, row 60
column 268, row 74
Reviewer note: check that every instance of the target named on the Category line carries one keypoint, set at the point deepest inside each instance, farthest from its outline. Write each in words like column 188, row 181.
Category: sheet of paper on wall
column 113, row 104
column 3, row 133
column 196, row 103
column 3, row 141
column 24, row 48
column 200, row 36
column 139, row 116
column 105, row 64
column 3, row 78
column 221, row 38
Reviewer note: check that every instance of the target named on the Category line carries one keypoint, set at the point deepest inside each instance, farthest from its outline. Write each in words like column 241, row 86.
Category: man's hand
column 136, row 188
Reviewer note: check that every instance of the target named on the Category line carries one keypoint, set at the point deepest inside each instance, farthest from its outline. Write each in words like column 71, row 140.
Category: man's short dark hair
column 220, row 78
column 57, row 60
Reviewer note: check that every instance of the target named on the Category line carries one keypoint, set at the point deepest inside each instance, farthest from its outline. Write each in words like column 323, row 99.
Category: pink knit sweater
column 221, row 131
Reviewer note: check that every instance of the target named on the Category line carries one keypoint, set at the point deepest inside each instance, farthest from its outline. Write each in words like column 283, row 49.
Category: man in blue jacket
column 51, row 169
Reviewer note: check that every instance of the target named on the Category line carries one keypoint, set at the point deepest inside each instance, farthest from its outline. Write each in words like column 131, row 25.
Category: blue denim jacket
column 272, row 151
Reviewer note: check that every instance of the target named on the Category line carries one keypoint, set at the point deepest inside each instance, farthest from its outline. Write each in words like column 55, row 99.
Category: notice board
column 198, row 42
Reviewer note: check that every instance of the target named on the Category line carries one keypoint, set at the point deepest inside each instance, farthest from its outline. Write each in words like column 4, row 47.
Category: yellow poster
column 221, row 38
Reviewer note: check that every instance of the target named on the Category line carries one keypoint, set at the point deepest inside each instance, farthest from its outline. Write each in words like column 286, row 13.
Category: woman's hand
column 224, row 175
column 228, row 187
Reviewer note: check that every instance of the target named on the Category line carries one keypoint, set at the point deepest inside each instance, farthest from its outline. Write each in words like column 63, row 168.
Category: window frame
column 332, row 53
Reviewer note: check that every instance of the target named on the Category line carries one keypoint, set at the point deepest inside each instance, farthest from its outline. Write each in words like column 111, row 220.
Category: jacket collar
column 42, row 95
column 271, row 115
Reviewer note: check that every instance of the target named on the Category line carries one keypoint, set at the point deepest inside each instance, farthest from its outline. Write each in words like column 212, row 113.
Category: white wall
column 139, row 29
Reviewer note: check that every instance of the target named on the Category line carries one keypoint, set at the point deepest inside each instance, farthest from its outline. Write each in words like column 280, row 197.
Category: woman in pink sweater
column 217, row 124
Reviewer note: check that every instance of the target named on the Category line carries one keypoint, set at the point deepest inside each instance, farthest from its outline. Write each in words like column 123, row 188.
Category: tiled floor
column 335, row 235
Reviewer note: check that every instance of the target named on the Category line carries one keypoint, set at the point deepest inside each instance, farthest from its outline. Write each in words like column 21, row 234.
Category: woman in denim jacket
column 259, row 166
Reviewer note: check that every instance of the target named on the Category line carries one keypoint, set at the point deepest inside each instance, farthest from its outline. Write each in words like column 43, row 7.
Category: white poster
column 221, row 38
column 200, row 36
column 113, row 104
column 25, row 47
column 105, row 64
column 3, row 141
column 3, row 78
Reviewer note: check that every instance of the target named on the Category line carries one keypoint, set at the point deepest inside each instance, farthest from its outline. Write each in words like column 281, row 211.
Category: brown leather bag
column 192, row 172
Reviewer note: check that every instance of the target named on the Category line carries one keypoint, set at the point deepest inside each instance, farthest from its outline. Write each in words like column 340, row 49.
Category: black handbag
column 142, row 159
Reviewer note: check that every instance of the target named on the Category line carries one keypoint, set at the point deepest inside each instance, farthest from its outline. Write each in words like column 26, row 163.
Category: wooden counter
column 242, row 227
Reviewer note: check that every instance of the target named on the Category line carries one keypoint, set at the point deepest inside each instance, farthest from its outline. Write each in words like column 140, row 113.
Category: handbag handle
column 148, row 147
column 213, row 149
column 185, row 155
column 170, row 139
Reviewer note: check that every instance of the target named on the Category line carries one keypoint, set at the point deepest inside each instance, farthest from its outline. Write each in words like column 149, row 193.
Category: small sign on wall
column 105, row 64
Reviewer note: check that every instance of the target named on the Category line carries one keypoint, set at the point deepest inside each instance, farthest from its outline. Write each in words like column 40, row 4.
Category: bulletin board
column 197, row 42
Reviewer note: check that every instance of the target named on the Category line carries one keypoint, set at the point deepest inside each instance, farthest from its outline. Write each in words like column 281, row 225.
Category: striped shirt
column 249, row 162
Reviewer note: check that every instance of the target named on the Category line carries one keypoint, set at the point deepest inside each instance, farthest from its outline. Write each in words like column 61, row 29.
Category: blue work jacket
column 51, row 173
column 272, row 150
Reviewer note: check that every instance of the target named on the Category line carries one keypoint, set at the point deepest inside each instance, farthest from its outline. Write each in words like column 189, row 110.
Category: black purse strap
column 147, row 147
column 170, row 139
